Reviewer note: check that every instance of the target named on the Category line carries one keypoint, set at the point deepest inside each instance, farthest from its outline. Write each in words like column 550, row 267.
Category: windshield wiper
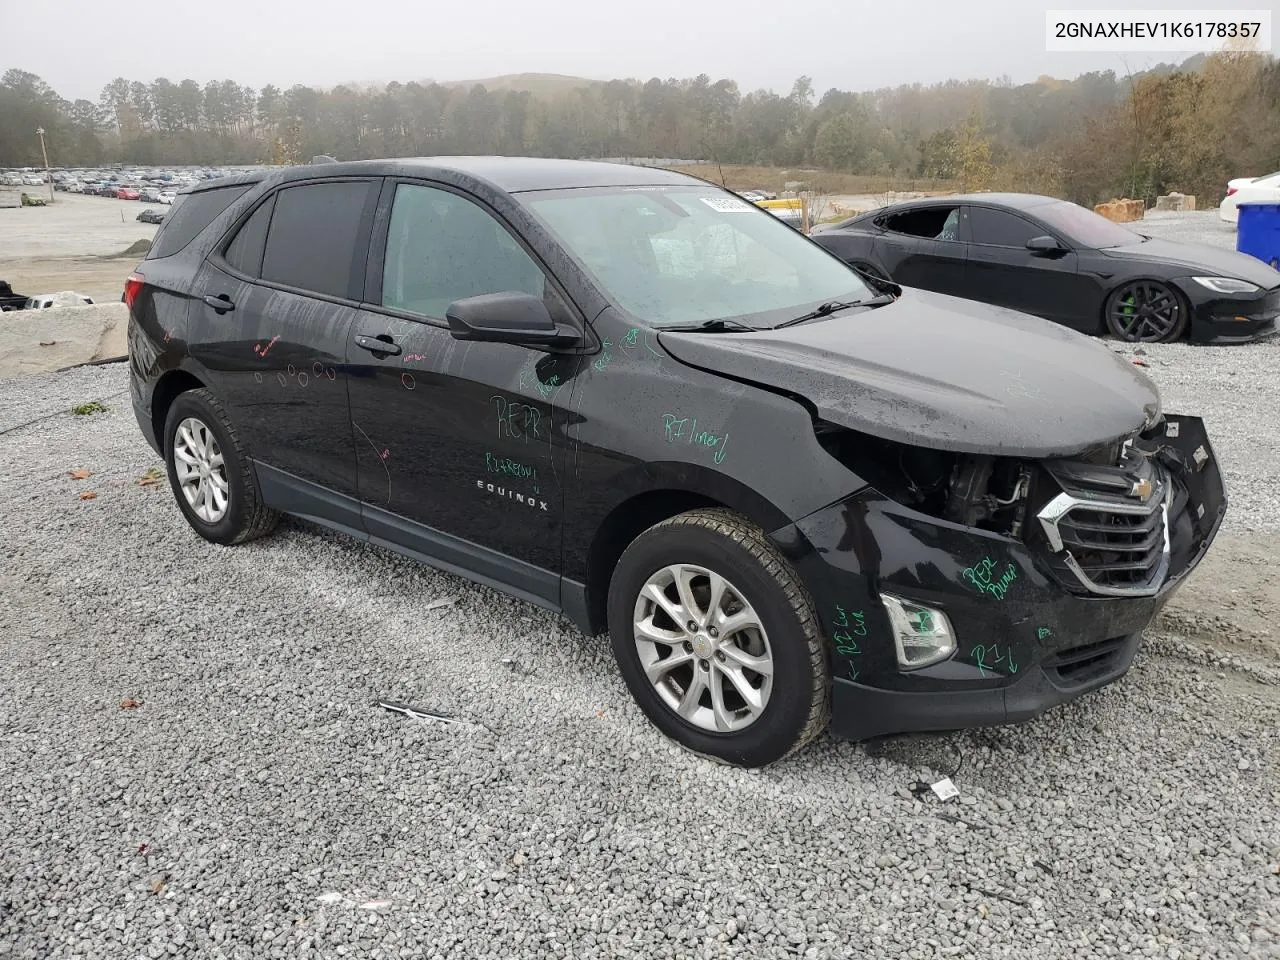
column 831, row 306
column 719, row 325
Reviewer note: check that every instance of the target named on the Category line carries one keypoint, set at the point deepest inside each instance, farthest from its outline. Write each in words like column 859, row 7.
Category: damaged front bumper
column 1039, row 618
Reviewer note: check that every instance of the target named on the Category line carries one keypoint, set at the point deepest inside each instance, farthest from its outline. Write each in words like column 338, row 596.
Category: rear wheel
column 1146, row 311
column 211, row 477
column 717, row 640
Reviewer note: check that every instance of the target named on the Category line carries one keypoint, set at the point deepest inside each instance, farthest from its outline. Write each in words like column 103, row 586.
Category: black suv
column 630, row 396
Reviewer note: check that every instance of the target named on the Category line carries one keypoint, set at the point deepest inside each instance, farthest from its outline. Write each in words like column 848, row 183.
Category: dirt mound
column 135, row 249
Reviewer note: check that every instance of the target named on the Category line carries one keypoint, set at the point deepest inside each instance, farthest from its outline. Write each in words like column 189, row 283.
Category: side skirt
column 302, row 498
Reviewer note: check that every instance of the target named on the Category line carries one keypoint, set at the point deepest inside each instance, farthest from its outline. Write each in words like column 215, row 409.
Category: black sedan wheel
column 1146, row 311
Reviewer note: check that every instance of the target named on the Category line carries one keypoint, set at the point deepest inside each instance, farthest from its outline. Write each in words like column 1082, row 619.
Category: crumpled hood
column 944, row 373
column 1201, row 260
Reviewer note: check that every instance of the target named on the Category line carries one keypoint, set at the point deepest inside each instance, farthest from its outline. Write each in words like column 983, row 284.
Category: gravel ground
column 254, row 803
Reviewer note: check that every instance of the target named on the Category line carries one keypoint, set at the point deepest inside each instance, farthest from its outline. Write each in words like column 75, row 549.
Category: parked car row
column 22, row 179
column 148, row 184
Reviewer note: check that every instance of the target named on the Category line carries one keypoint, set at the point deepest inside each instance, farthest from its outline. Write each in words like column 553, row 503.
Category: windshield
column 685, row 255
column 1086, row 228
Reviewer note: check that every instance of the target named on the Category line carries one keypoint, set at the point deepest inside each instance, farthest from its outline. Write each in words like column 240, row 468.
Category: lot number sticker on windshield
column 726, row 204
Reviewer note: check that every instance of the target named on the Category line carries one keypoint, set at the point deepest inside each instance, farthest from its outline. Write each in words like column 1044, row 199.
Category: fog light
column 921, row 634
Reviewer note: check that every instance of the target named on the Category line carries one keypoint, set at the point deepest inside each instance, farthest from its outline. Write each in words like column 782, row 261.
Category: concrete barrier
column 41, row 341
column 1176, row 201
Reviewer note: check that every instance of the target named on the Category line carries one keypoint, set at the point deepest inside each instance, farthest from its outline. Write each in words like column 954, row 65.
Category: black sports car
column 1064, row 263
column 150, row 216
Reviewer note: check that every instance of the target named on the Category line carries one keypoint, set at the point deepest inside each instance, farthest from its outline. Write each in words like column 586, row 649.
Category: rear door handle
column 220, row 304
column 382, row 343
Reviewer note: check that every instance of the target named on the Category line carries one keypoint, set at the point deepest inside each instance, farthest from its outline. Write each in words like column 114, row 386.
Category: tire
column 1146, row 311
column 793, row 703
column 239, row 515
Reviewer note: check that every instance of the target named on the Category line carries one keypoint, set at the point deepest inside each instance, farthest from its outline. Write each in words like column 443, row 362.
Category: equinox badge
column 511, row 495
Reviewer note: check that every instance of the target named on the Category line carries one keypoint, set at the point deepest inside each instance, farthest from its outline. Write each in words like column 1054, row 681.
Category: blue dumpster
column 1258, row 231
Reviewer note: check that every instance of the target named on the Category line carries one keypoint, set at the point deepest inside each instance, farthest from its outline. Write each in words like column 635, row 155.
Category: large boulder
column 1121, row 211
column 41, row 341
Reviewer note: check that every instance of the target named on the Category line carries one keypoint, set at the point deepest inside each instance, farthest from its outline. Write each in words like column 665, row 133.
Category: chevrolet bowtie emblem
column 1141, row 489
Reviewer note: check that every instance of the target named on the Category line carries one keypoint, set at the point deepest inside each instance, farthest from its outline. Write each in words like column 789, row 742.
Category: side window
column 999, row 229
column 244, row 253
column 442, row 247
column 314, row 235
column 932, row 223
column 190, row 214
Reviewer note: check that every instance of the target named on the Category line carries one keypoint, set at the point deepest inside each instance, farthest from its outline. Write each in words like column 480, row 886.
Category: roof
column 1019, row 201
column 517, row 174
column 509, row 174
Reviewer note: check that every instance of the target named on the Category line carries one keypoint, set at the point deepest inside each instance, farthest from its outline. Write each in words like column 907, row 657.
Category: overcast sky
column 856, row 45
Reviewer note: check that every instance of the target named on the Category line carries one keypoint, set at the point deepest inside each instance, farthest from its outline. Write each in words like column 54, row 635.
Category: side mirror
column 1046, row 247
column 508, row 318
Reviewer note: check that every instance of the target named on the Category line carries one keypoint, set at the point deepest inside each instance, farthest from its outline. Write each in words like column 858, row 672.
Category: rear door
column 276, row 302
column 925, row 247
column 1004, row 272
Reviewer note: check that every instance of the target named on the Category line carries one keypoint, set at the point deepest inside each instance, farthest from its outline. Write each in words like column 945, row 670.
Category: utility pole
column 48, row 176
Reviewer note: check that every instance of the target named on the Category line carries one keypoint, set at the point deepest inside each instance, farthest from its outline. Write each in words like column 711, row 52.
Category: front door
column 1004, row 272
column 460, row 446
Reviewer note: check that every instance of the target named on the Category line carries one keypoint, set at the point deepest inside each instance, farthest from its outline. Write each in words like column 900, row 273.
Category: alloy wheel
column 703, row 647
column 1145, row 312
column 201, row 470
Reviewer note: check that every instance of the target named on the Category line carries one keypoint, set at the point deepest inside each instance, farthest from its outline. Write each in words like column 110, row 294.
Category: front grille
column 1081, row 666
column 1112, row 547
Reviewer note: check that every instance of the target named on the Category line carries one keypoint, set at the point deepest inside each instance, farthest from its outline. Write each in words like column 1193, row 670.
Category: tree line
column 1188, row 127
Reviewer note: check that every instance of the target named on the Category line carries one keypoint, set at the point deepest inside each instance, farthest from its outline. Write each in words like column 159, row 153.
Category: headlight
column 1227, row 285
column 921, row 634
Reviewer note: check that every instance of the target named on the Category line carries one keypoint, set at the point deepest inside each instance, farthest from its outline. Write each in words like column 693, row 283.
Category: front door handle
column 221, row 303
column 382, row 343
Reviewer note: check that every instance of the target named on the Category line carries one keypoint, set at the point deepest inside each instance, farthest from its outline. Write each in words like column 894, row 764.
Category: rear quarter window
column 189, row 215
column 927, row 222
column 244, row 253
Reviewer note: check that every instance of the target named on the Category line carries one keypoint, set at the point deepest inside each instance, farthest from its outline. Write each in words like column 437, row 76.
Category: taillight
column 1230, row 191
column 132, row 284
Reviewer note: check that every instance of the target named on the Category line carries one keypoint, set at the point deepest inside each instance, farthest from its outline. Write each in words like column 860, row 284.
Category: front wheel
column 1146, row 311
column 717, row 640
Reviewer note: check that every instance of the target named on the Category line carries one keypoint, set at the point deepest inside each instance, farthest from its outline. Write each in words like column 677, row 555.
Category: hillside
column 539, row 84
